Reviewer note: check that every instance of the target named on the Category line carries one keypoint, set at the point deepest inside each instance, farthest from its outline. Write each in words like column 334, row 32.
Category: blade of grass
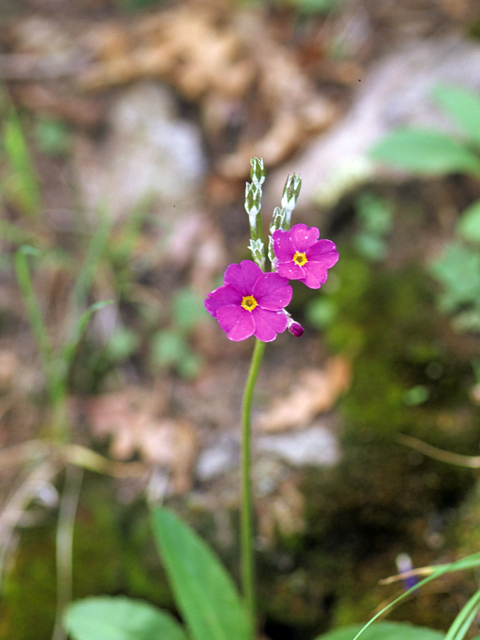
column 95, row 250
column 16, row 149
column 34, row 313
column 464, row 619
column 64, row 542
column 68, row 351
column 469, row 562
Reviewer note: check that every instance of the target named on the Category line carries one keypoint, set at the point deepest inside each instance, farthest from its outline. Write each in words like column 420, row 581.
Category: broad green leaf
column 463, row 105
column 384, row 631
column 106, row 618
column 469, row 224
column 204, row 592
column 425, row 152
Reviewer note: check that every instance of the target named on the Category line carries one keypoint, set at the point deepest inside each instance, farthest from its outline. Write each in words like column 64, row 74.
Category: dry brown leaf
column 316, row 392
column 132, row 420
column 283, row 511
column 220, row 61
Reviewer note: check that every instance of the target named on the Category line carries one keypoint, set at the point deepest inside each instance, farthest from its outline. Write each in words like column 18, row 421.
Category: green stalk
column 34, row 314
column 246, row 532
column 64, row 544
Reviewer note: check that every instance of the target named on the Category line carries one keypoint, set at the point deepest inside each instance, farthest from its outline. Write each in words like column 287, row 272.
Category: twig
column 472, row 462
column 64, row 543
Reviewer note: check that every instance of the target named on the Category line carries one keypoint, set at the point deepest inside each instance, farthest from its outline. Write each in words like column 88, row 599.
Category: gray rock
column 218, row 458
column 149, row 153
column 316, row 445
column 395, row 91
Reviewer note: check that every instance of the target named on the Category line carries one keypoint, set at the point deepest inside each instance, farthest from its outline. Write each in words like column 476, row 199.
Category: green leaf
column 463, row 105
column 469, row 224
column 370, row 246
column 321, row 312
column 187, row 310
column 425, row 152
column 204, row 592
column 458, row 269
column 168, row 348
column 119, row 618
column 25, row 184
column 384, row 631
column 52, row 137
column 374, row 214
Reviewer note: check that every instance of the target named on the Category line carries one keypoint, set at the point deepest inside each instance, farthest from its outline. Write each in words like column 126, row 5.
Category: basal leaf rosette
column 300, row 255
column 250, row 302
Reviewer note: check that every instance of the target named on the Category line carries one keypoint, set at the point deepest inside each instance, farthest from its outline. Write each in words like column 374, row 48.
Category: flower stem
column 247, row 561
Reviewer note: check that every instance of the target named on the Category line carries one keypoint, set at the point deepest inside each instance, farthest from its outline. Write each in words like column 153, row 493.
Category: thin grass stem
column 64, row 543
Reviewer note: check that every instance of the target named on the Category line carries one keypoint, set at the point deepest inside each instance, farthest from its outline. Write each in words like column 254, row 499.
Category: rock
column 395, row 91
column 218, row 458
column 316, row 445
column 148, row 153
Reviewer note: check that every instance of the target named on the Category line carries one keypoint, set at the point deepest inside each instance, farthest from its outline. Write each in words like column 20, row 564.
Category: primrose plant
column 251, row 303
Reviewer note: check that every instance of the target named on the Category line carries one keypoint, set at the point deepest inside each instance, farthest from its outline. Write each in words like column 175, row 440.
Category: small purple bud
column 296, row 329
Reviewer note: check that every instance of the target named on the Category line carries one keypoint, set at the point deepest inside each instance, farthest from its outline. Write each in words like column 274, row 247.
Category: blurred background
column 127, row 128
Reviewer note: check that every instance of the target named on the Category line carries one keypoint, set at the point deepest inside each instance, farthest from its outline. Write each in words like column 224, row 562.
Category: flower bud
column 296, row 329
column 257, row 172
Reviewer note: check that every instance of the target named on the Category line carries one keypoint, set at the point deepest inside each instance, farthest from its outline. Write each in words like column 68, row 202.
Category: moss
column 113, row 553
column 381, row 499
column 27, row 609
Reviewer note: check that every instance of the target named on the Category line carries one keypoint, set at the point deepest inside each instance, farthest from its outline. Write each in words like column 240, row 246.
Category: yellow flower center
column 249, row 303
column 300, row 258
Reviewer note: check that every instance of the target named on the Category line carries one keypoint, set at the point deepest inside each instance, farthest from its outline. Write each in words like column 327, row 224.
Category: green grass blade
column 204, row 592
column 384, row 631
column 470, row 562
column 69, row 348
column 25, row 185
column 33, row 310
column 95, row 250
column 119, row 618
column 464, row 619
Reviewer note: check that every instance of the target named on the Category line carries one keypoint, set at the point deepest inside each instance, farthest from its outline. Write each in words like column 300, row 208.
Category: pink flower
column 250, row 302
column 300, row 255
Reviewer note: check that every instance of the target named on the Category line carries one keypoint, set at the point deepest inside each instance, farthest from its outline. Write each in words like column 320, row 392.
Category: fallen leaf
column 316, row 392
column 133, row 421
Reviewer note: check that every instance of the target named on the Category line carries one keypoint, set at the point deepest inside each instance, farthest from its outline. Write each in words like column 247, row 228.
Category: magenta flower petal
column 268, row 324
column 250, row 302
column 221, row 297
column 242, row 276
column 314, row 278
column 300, row 255
column 323, row 251
column 283, row 246
column 303, row 237
column 290, row 270
column 237, row 323
column 272, row 291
